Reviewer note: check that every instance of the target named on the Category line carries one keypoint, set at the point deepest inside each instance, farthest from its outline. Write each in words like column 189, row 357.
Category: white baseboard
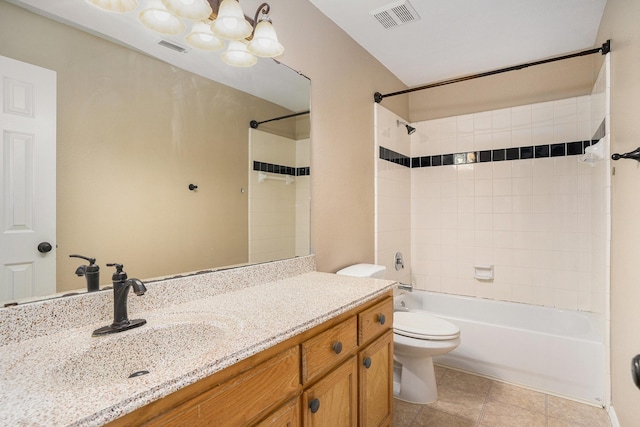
column 613, row 417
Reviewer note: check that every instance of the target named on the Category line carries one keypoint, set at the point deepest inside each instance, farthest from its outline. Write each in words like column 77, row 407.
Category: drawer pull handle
column 367, row 362
column 337, row 347
column 314, row 405
column 381, row 318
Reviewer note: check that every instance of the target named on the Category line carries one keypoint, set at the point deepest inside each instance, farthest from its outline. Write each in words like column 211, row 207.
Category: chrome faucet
column 121, row 285
column 400, row 307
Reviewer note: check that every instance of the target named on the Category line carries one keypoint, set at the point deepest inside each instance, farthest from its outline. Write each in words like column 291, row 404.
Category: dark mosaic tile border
column 394, row 157
column 504, row 154
column 573, row 148
column 280, row 169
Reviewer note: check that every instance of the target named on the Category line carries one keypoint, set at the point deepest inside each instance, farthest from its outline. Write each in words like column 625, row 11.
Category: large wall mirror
column 136, row 126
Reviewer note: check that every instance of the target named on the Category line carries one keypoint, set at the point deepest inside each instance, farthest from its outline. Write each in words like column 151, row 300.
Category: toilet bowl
column 417, row 338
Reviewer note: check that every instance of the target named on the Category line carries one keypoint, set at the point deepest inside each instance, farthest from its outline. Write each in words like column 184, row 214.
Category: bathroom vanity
column 273, row 344
column 336, row 374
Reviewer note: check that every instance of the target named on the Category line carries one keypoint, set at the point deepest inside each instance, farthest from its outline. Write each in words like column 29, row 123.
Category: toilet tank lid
column 362, row 270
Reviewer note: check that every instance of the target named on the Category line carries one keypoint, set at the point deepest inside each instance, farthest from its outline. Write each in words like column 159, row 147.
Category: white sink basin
column 140, row 352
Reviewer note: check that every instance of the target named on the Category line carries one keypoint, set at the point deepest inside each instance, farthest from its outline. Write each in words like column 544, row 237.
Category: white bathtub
column 555, row 351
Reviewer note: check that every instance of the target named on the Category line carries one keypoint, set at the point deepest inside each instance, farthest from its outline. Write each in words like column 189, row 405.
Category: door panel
column 27, row 179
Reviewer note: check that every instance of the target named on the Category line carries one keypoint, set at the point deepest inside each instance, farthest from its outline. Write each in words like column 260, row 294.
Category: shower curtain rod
column 254, row 124
column 606, row 48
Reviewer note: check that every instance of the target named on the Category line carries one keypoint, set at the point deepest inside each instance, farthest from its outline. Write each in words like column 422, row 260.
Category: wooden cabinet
column 375, row 379
column 287, row 416
column 339, row 373
column 243, row 399
column 375, row 320
column 336, row 398
column 324, row 351
column 333, row 400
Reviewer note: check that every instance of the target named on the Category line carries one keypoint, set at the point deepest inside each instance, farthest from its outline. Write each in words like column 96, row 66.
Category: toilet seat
column 424, row 326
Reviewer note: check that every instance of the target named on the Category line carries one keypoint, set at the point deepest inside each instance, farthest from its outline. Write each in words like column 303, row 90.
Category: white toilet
column 417, row 338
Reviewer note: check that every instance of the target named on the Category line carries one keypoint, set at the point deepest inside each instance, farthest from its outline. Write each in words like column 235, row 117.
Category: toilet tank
column 364, row 270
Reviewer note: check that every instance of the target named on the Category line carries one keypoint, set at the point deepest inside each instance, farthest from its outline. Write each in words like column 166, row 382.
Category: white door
column 27, row 180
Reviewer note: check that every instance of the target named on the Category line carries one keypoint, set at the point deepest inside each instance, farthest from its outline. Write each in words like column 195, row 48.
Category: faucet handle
column 119, row 275
column 91, row 260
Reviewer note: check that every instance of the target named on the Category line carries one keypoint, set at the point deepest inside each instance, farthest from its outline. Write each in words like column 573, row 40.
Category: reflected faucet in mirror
column 91, row 272
column 195, row 140
column 121, row 285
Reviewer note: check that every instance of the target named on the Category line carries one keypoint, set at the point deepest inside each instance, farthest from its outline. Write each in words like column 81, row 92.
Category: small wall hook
column 635, row 155
column 193, row 187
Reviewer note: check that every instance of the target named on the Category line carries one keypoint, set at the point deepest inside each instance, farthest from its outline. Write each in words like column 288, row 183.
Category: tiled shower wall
column 278, row 210
column 541, row 222
column 393, row 197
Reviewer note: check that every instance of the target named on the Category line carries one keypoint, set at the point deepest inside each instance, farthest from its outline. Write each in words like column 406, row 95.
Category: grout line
column 484, row 404
column 546, row 409
column 418, row 412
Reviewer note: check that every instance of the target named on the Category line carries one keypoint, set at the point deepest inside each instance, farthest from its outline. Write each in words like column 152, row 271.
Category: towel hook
column 635, row 155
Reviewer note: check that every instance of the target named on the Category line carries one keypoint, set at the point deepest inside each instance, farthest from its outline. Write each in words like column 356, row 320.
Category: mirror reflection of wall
column 279, row 196
column 133, row 133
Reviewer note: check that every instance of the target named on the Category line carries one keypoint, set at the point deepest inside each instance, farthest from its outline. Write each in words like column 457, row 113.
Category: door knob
column 635, row 370
column 44, row 247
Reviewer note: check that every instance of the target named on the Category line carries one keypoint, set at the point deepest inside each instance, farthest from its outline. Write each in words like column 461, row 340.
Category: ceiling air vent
column 172, row 46
column 394, row 14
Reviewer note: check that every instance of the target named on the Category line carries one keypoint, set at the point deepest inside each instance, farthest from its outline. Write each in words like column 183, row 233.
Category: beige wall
column 621, row 24
column 344, row 78
column 541, row 83
column 129, row 144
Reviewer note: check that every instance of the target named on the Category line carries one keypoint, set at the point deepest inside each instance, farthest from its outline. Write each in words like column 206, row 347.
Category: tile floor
column 467, row 400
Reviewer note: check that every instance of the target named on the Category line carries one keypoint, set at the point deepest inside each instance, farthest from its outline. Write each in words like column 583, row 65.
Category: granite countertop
column 72, row 378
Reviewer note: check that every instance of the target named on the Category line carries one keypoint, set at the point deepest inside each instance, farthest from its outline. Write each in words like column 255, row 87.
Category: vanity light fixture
column 208, row 24
column 115, row 5
column 265, row 41
column 238, row 55
column 230, row 24
column 202, row 37
column 158, row 18
column 196, row 10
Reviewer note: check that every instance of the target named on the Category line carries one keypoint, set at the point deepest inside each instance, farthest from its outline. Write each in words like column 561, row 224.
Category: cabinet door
column 333, row 401
column 375, row 374
column 287, row 416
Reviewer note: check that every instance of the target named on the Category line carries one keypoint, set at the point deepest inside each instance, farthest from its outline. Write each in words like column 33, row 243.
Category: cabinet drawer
column 326, row 350
column 375, row 320
column 243, row 399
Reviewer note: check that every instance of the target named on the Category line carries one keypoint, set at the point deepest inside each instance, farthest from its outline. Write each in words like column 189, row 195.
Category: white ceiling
column 451, row 38
column 267, row 79
column 454, row 38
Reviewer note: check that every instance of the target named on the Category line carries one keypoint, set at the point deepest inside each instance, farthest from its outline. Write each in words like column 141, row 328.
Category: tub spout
column 405, row 286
